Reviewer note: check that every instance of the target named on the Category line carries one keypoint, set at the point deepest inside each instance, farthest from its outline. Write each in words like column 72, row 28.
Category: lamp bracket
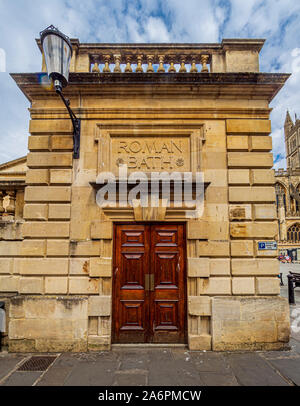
column 75, row 121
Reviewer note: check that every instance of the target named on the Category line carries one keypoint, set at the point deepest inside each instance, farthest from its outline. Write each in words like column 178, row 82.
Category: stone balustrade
column 142, row 61
column 231, row 55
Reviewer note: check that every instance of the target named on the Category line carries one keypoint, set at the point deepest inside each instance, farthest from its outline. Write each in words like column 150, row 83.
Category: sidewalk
column 163, row 366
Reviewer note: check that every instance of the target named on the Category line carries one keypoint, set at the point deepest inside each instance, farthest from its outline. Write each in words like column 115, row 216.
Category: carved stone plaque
column 151, row 153
column 149, row 148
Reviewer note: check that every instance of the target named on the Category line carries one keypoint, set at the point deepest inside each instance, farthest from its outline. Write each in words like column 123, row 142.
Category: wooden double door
column 149, row 283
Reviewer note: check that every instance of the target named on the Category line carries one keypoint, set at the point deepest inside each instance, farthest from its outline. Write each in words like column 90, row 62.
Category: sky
column 199, row 21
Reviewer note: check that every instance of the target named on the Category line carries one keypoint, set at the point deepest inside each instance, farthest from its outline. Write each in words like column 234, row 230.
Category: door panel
column 130, row 313
column 167, row 320
column 149, row 283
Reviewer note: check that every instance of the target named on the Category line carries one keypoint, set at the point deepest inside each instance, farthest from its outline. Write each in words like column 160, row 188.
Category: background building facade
column 287, row 192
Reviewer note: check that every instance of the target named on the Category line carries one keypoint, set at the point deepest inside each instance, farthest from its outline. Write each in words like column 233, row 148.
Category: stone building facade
column 80, row 277
column 287, row 192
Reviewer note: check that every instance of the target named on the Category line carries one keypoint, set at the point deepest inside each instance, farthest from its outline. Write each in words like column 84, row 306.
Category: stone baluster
column 150, row 68
column 96, row 68
column 1, row 203
column 128, row 68
column 117, row 59
column 193, row 65
column 106, row 64
column 161, row 68
column 11, row 207
column 139, row 68
column 172, row 68
column 204, row 60
column 182, row 68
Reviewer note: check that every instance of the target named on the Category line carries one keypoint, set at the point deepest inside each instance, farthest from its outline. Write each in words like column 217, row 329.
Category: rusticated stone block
column 99, row 306
column 245, row 126
column 48, row 194
column 99, row 343
column 59, row 211
column 61, row 176
column 31, row 285
column 240, row 212
column 267, row 286
column 255, row 229
column 100, row 267
column 49, row 229
column 242, row 248
column 43, row 266
column 85, row 248
column 36, row 211
column 37, row 177
column 264, row 211
column 50, row 126
column 6, row 265
column 262, row 176
column 260, row 143
column 199, row 305
column 249, row 323
column 215, row 286
column 10, row 248
column 213, row 248
column 243, row 286
column 198, row 267
column 79, row 266
column 101, row 230
column 49, row 159
column 83, row 286
column 197, row 229
column 239, row 142
column 250, row 159
column 38, row 143
column 255, row 267
column 33, row 248
column 219, row 266
column 200, row 342
column 61, row 142
column 9, row 283
column 56, row 285
column 251, row 194
column 238, row 176
column 57, row 248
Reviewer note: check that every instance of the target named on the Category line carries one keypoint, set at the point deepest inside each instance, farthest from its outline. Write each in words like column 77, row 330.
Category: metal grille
column 37, row 363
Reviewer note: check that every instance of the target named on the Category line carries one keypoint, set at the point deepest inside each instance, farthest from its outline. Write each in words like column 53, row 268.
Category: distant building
column 288, row 192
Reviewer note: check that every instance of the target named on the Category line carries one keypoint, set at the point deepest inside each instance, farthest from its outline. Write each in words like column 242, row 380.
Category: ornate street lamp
column 58, row 51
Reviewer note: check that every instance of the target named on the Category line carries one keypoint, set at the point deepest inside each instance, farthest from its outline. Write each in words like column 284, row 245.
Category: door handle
column 149, row 281
column 152, row 282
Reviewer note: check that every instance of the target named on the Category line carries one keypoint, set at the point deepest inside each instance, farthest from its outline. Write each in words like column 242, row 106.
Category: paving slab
column 131, row 378
column 288, row 367
column 8, row 362
column 93, row 370
column 22, row 378
column 168, row 369
column 251, row 370
column 55, row 376
column 218, row 379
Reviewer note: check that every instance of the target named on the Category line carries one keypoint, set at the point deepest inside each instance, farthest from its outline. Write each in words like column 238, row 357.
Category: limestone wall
column 60, row 274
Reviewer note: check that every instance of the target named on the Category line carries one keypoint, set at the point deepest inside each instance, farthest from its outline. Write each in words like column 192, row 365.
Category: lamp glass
column 57, row 57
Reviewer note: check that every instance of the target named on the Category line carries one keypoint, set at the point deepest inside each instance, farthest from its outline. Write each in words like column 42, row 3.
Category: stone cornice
column 210, row 85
